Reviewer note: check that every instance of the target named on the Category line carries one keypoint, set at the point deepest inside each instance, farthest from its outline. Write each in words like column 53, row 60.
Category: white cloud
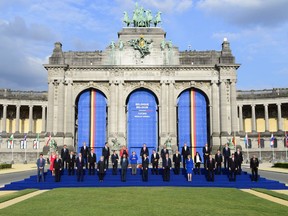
column 247, row 12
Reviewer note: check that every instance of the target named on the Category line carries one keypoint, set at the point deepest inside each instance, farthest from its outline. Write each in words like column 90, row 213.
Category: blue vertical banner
column 142, row 121
column 192, row 120
column 92, row 123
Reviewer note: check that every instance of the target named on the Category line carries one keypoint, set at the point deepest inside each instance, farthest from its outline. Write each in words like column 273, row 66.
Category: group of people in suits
column 86, row 159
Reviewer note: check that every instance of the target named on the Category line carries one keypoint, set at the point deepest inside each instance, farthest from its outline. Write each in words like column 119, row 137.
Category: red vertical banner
column 259, row 141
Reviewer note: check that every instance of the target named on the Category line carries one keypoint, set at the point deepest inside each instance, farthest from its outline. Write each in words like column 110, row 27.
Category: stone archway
column 193, row 122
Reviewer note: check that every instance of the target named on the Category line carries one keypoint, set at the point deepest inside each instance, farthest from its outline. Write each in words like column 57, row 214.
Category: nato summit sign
column 142, row 110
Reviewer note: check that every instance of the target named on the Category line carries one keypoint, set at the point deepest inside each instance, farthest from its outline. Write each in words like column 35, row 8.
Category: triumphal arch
column 142, row 89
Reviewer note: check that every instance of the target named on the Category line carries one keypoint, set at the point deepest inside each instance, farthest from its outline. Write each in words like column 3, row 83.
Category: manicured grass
column 146, row 201
column 272, row 193
column 14, row 195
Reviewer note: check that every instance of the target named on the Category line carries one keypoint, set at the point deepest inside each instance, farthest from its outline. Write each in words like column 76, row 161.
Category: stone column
column 266, row 108
column 164, row 111
column 233, row 100
column 121, row 110
column 112, row 109
column 279, row 120
column 241, row 118
column 61, row 111
column 69, row 123
column 50, row 108
column 4, row 118
column 30, row 119
column 215, row 110
column 223, row 108
column 43, row 119
column 172, row 110
column 253, row 118
column 17, row 118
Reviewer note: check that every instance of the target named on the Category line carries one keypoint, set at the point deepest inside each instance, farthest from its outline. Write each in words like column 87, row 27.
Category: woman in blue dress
column 189, row 167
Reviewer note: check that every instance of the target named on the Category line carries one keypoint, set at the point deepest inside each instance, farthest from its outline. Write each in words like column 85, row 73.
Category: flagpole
column 12, row 146
column 260, row 153
column 25, row 145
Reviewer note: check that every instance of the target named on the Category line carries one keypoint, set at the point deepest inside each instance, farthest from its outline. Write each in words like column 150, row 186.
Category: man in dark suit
column 239, row 160
column 218, row 161
column 164, row 151
column 166, row 164
column 254, row 164
column 177, row 161
column 101, row 168
column 232, row 168
column 91, row 163
column 210, row 168
column 145, row 167
column 124, row 165
column 206, row 153
column 185, row 152
column 155, row 162
column 57, row 167
column 71, row 163
column 144, row 150
column 85, row 152
column 40, row 168
column 226, row 155
column 64, row 156
column 114, row 160
column 79, row 167
column 106, row 154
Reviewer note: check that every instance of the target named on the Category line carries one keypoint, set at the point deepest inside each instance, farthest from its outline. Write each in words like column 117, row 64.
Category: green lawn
column 14, row 195
column 272, row 193
column 145, row 201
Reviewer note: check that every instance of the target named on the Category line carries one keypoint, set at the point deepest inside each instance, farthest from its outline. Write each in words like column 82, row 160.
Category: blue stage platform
column 243, row 181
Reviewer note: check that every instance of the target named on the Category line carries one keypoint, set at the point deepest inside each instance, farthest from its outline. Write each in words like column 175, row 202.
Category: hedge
column 281, row 165
column 5, row 166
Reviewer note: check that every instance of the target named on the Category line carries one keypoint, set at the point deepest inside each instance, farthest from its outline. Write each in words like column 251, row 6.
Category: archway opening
column 193, row 120
column 91, row 120
column 142, row 121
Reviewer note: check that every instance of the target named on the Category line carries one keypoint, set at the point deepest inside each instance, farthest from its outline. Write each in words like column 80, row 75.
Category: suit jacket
column 254, row 163
column 164, row 152
column 57, row 165
column 64, row 154
column 40, row 164
column 232, row 164
column 211, row 164
column 167, row 164
column 79, row 164
column 186, row 152
column 239, row 157
column 71, row 161
column 92, row 158
column 101, row 166
column 218, row 159
column 145, row 163
column 207, row 151
column 155, row 159
column 226, row 153
column 114, row 158
column 177, row 159
column 105, row 152
column 124, row 164
column 85, row 151
column 142, row 152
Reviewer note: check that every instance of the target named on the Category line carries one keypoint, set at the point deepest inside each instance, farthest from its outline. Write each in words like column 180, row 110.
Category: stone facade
column 119, row 70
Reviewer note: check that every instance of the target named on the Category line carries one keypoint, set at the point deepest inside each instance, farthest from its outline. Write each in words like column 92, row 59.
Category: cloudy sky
column 256, row 29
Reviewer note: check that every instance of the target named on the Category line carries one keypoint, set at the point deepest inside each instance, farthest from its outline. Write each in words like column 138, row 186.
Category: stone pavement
column 268, row 167
column 19, row 168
